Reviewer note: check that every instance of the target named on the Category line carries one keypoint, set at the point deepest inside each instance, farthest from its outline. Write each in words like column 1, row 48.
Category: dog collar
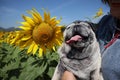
column 117, row 35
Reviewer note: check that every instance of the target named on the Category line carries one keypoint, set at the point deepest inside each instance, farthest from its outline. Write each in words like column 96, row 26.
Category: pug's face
column 79, row 34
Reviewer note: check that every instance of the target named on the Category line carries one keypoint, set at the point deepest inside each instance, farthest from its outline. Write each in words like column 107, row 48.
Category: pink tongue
column 74, row 38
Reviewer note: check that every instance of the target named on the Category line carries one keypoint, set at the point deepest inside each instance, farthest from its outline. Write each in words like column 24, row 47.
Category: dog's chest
column 76, row 64
column 81, row 69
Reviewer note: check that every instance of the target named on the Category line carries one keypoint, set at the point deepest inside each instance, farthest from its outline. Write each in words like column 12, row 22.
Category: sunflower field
column 30, row 53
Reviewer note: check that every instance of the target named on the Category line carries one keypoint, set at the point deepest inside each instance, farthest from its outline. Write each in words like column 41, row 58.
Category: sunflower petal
column 37, row 15
column 25, row 24
column 46, row 16
column 35, row 48
column 36, row 20
column 40, row 52
column 27, row 43
column 54, row 48
column 53, row 22
column 29, row 20
column 31, row 47
column 17, row 37
column 27, row 37
column 25, row 28
column 58, row 42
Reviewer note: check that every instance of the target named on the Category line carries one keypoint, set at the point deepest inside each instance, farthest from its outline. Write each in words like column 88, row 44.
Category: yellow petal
column 35, row 17
column 31, row 47
column 53, row 21
column 29, row 20
column 36, row 20
column 54, row 48
column 37, row 14
column 25, row 24
column 58, row 42
column 25, row 28
column 26, row 37
column 18, row 36
column 46, row 17
column 27, row 43
column 27, row 32
column 40, row 52
column 35, row 48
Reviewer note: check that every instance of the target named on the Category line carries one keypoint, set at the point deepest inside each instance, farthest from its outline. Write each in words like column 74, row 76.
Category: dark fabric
column 111, row 55
column 106, row 30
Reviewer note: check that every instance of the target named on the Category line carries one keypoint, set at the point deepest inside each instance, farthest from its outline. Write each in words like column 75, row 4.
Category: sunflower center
column 42, row 33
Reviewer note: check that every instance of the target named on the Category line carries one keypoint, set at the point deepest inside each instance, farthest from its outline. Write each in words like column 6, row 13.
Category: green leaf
column 13, row 78
column 42, row 67
column 16, row 53
column 29, row 61
column 32, row 72
column 3, row 74
column 51, row 71
column 10, row 66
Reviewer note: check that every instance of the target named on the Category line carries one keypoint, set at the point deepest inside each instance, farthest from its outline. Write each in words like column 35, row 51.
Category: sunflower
column 99, row 13
column 1, row 36
column 13, row 37
column 9, row 36
column 40, row 34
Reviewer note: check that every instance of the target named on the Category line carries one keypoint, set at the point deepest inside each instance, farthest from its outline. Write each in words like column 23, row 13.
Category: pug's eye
column 68, row 28
column 84, row 23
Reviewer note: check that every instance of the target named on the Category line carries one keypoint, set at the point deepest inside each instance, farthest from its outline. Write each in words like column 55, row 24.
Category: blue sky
column 11, row 10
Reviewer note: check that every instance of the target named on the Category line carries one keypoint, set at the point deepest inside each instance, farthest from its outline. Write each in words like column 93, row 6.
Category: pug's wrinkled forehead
column 78, row 23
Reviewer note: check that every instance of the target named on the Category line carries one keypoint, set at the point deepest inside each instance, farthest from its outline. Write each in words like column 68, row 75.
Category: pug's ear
column 94, row 26
column 63, row 28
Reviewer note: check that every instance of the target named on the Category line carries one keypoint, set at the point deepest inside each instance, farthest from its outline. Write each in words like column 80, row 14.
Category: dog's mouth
column 75, row 38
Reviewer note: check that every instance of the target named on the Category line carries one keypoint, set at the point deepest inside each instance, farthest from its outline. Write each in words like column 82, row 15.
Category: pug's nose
column 76, row 27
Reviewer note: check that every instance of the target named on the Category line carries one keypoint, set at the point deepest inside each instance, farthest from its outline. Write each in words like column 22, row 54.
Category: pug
column 79, row 53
